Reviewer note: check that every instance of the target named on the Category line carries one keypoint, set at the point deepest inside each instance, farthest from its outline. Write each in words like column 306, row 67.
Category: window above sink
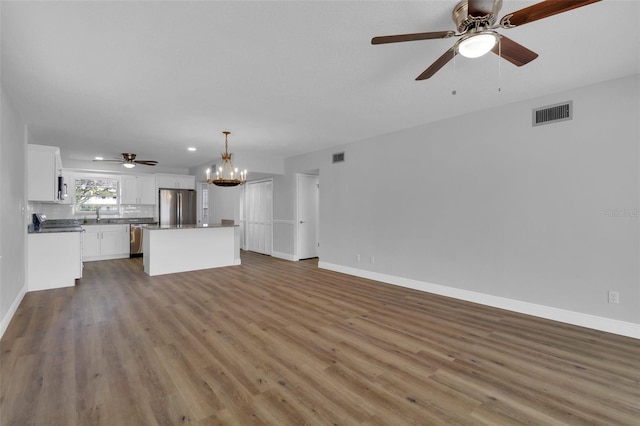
column 93, row 193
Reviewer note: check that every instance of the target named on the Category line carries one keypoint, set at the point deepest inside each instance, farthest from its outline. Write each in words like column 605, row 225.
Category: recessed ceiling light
column 98, row 158
column 191, row 148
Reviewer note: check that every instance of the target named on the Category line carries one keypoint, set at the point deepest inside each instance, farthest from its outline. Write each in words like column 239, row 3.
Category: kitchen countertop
column 30, row 229
column 119, row 221
column 86, row 222
column 168, row 227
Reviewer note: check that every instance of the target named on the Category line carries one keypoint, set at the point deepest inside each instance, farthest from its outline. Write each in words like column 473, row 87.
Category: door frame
column 200, row 187
column 296, row 223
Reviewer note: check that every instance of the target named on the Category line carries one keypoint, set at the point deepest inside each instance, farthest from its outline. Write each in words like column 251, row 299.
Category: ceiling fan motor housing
column 485, row 17
column 128, row 157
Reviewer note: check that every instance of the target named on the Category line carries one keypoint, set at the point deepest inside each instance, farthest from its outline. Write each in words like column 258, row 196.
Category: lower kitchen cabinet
column 54, row 260
column 102, row 242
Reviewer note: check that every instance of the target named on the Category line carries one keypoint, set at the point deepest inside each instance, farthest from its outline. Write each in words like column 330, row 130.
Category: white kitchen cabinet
column 138, row 189
column 175, row 181
column 147, row 190
column 54, row 260
column 102, row 242
column 43, row 168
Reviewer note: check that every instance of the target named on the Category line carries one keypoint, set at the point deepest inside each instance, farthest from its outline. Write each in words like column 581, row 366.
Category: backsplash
column 53, row 211
column 66, row 211
column 138, row 211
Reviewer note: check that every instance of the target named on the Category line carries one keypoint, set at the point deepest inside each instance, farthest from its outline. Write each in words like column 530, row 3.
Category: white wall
column 224, row 203
column 12, row 206
column 487, row 205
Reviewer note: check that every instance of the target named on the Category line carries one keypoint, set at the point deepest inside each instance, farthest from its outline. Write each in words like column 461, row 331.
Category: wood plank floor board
column 446, row 402
column 522, row 393
column 226, row 358
column 273, row 342
column 302, row 385
column 379, row 401
column 170, row 410
column 235, row 397
column 568, row 373
column 499, row 404
column 581, row 359
column 562, row 395
column 395, row 356
column 198, row 393
column 19, row 408
column 284, row 372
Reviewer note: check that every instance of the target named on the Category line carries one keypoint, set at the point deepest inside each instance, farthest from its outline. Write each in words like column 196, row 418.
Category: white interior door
column 308, row 221
column 258, row 210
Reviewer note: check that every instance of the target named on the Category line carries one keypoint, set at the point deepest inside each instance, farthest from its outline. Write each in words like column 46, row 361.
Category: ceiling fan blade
column 542, row 10
column 146, row 162
column 412, row 37
column 439, row 63
column 478, row 8
column 513, row 52
column 109, row 161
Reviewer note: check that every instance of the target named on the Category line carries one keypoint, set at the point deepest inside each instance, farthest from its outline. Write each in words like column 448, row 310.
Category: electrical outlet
column 614, row 297
column 358, row 257
column 372, row 259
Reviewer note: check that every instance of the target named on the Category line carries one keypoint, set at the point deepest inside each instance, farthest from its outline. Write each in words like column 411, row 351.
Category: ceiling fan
column 129, row 161
column 476, row 25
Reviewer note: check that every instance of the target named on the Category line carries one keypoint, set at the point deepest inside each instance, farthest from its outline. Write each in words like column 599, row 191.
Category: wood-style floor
column 278, row 343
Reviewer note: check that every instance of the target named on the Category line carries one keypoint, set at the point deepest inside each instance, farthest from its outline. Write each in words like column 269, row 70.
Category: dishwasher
column 135, row 246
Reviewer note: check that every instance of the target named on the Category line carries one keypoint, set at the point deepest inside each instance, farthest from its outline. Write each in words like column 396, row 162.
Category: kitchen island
column 180, row 248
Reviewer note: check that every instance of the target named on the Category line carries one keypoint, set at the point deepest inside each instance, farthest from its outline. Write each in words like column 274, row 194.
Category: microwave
column 62, row 188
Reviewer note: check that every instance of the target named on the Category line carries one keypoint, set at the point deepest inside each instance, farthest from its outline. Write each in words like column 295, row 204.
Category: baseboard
column 570, row 317
column 285, row 256
column 12, row 310
column 107, row 257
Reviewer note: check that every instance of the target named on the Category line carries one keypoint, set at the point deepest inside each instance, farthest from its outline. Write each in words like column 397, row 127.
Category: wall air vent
column 553, row 113
column 338, row 157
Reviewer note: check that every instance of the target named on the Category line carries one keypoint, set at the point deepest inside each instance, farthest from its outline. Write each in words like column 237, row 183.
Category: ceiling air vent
column 338, row 157
column 553, row 113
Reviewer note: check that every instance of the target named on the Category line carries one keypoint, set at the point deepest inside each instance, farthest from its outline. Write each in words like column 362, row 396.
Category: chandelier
column 227, row 175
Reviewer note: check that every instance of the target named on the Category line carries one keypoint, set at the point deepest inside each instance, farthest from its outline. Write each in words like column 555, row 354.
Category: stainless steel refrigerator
column 177, row 207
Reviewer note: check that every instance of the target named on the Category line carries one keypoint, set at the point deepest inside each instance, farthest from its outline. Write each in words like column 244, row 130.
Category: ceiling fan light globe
column 477, row 45
column 129, row 165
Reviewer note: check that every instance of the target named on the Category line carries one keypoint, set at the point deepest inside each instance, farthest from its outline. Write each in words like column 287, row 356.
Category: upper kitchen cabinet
column 138, row 189
column 175, row 181
column 44, row 171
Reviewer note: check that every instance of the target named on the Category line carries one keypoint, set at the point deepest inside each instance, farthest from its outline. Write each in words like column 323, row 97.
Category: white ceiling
column 101, row 78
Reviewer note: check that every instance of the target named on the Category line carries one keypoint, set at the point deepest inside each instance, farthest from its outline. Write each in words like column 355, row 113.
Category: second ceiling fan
column 476, row 25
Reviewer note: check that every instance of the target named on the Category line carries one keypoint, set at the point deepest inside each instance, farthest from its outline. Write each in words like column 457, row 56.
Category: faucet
column 98, row 214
